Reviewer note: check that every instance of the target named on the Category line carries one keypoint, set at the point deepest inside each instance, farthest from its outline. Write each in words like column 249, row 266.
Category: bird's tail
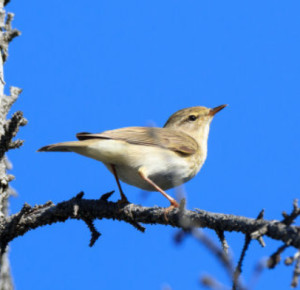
column 62, row 147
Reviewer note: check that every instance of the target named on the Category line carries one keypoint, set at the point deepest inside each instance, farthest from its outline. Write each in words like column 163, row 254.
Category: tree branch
column 11, row 128
column 8, row 129
column 88, row 210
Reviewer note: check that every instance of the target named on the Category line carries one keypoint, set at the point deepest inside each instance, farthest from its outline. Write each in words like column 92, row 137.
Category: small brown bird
column 153, row 159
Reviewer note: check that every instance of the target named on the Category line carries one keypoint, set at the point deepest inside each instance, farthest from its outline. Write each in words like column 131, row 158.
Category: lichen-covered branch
column 8, row 130
column 88, row 210
column 8, row 33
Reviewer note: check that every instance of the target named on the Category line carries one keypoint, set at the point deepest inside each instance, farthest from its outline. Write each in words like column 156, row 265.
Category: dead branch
column 88, row 209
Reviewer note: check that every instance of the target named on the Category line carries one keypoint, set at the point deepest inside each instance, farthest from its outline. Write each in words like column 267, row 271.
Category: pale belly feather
column 165, row 167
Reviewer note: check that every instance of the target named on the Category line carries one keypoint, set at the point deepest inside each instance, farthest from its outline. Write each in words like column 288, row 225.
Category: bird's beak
column 215, row 110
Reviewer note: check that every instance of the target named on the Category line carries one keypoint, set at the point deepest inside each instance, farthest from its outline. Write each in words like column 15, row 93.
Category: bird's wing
column 174, row 140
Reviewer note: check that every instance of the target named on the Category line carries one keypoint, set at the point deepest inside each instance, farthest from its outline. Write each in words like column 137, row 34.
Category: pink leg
column 173, row 202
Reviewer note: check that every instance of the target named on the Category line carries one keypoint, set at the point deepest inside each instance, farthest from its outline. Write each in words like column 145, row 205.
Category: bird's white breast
column 165, row 167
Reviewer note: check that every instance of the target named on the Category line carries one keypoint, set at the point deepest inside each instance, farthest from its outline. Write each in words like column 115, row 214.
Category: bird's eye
column 192, row 118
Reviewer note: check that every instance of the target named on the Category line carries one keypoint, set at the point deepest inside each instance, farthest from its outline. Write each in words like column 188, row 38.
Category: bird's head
column 194, row 121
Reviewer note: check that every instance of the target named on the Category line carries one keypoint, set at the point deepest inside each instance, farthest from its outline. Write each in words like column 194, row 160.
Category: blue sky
column 102, row 65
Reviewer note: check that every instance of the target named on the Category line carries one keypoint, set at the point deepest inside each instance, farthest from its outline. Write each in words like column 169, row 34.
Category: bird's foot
column 174, row 204
column 123, row 201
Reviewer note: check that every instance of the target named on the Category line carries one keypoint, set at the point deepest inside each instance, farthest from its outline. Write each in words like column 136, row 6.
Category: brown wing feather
column 163, row 137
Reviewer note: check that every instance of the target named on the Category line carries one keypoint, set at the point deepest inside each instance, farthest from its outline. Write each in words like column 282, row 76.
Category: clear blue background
column 98, row 65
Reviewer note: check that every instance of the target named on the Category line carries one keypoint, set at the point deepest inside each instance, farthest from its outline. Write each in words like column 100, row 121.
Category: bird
column 150, row 158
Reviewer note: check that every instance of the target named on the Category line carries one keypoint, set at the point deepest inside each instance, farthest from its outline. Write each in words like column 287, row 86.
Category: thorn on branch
column 106, row 196
column 261, row 241
column 94, row 233
column 223, row 241
column 261, row 215
column 79, row 196
column 76, row 206
column 258, row 234
column 138, row 226
column 260, row 238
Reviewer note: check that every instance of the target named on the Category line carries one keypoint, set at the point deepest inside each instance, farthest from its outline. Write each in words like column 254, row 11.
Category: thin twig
column 94, row 233
column 275, row 258
column 290, row 218
column 223, row 241
column 218, row 252
column 238, row 269
column 296, row 273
